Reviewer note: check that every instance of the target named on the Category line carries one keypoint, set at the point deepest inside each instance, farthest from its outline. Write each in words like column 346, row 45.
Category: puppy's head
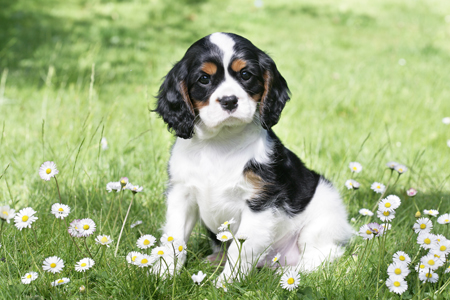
column 222, row 80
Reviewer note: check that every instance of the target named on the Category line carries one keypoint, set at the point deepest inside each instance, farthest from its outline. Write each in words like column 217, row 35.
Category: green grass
column 351, row 101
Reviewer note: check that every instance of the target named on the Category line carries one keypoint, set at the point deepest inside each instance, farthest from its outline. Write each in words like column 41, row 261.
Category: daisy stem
column 123, row 225
column 31, row 253
column 87, row 248
column 174, row 273
column 109, row 212
column 1, row 230
column 218, row 266
column 57, row 187
column 87, row 287
column 35, row 235
column 119, row 211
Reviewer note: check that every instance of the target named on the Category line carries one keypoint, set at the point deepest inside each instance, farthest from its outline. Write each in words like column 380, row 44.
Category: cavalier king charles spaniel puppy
column 221, row 100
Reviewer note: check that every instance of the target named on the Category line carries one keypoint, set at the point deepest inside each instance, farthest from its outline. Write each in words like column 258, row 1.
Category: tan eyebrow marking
column 209, row 68
column 238, row 64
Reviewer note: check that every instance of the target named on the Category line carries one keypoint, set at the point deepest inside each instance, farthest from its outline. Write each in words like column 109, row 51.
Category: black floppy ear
column 174, row 104
column 276, row 92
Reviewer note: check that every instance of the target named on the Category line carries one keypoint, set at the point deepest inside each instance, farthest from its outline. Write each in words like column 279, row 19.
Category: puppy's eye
column 204, row 79
column 246, row 75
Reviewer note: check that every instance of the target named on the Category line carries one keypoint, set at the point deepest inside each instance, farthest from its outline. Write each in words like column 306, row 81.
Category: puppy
column 221, row 101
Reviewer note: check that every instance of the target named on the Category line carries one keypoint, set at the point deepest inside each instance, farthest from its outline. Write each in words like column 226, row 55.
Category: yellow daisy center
column 431, row 262
column 180, row 248
column 86, row 227
column 52, row 265
column 387, row 205
column 144, row 261
column 5, row 213
column 146, row 242
column 290, row 280
column 275, row 259
column 429, row 275
column 24, row 218
column 386, row 213
column 60, row 209
column 122, row 181
column 226, row 223
column 398, row 271
column 397, row 284
column 170, row 238
column 133, row 258
column 48, row 171
column 355, row 168
column 422, row 266
column 400, row 170
column 83, row 264
column 438, row 256
column 423, row 226
column 224, row 237
column 446, row 220
column 401, row 257
column 104, row 239
column 442, row 248
column 60, row 281
column 29, row 276
column 368, row 231
column 350, row 183
column 378, row 187
column 160, row 252
column 427, row 241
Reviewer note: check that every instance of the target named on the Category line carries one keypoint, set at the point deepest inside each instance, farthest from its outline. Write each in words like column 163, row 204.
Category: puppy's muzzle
column 229, row 103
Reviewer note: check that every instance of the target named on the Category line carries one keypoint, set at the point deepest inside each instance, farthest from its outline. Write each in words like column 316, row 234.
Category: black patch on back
column 288, row 184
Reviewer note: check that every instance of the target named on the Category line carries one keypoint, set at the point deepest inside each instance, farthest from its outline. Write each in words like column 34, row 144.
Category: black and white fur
column 222, row 100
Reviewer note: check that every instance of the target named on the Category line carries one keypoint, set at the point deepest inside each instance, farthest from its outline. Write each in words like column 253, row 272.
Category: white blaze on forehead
column 225, row 43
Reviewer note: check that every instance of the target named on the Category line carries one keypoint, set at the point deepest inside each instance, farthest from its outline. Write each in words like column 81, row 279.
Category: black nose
column 229, row 102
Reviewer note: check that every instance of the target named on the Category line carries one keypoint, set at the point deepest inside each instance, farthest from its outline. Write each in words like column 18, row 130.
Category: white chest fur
column 211, row 171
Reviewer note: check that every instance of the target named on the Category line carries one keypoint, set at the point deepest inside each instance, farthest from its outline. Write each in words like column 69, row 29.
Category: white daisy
column 398, row 269
column 419, row 267
column 84, row 264
column 365, row 232
column 104, row 240
column 423, row 225
column 386, row 216
column 82, row 289
column 441, row 248
column 73, row 228
column 110, row 186
column 123, row 181
column 290, row 280
column 378, row 187
column 431, row 212
column 390, row 203
column 365, row 212
column 48, row 170
column 145, row 241
column 224, row 236
column 144, row 260
column 160, row 252
column 6, row 213
column 401, row 169
column 136, row 224
column 131, row 257
column 24, row 218
column 401, row 257
column 198, row 278
column 241, row 237
column 428, row 276
column 29, row 277
column 134, row 188
column 431, row 262
column 376, row 228
column 60, row 281
column 86, row 227
column 397, row 285
column 276, row 258
column 167, row 239
column 426, row 240
column 226, row 224
column 352, row 184
column 391, row 165
column 180, row 248
column 60, row 210
column 440, row 238
column 411, row 192
column 446, row 120
column 444, row 219
column 386, row 226
column 104, row 143
column 447, row 270
column 355, row 167
column 53, row 264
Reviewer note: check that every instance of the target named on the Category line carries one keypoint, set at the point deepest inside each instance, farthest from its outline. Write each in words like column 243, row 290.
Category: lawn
column 369, row 82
